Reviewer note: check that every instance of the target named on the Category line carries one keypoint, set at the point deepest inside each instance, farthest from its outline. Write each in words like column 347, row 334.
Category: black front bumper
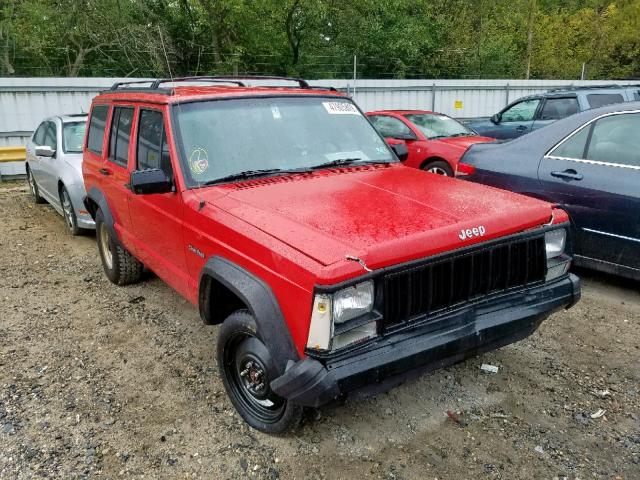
column 451, row 337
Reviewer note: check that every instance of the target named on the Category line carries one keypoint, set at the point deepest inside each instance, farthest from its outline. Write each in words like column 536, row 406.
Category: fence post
column 506, row 91
column 433, row 97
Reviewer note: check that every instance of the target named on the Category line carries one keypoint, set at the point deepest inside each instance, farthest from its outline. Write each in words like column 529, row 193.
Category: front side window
column 121, row 123
column 601, row 99
column 438, row 126
column 50, row 137
column 152, row 149
column 616, row 139
column 38, row 136
column 390, row 127
column 521, row 112
column 557, row 108
column 219, row 138
column 73, row 136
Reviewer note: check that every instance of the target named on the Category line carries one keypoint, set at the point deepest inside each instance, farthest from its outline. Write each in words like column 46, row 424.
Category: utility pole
column 584, row 64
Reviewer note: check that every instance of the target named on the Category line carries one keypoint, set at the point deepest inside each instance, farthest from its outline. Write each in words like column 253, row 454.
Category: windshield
column 222, row 138
column 438, row 126
column 73, row 137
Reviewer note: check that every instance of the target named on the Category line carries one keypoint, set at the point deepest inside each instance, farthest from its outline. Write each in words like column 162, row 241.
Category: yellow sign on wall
column 458, row 104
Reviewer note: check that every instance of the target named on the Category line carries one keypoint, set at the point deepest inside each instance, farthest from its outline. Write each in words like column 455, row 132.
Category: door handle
column 568, row 175
column 521, row 128
column 105, row 171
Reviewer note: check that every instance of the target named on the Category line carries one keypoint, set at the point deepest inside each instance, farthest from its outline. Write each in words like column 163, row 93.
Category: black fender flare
column 259, row 299
column 98, row 198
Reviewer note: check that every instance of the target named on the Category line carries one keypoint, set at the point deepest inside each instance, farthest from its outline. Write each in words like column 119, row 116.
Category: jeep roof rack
column 154, row 85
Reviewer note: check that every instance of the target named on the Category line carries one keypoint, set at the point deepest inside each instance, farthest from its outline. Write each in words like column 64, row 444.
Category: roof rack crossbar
column 301, row 81
column 212, row 79
column 117, row 85
column 587, row 87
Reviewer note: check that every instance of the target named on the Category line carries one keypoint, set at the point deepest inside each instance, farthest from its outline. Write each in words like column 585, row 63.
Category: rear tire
column 33, row 187
column 247, row 368
column 68, row 212
column 438, row 167
column 119, row 265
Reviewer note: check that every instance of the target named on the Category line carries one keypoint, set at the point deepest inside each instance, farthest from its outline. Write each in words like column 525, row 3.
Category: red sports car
column 435, row 141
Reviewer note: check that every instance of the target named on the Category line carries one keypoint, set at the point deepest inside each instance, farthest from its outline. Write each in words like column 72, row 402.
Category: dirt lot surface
column 121, row 382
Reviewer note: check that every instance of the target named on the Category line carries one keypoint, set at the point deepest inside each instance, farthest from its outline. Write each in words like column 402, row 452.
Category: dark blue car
column 589, row 164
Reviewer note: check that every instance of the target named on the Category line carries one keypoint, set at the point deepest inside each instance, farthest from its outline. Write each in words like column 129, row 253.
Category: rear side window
column 50, row 137
column 96, row 128
column 601, row 99
column 152, row 149
column 120, row 135
column 616, row 139
column 557, row 108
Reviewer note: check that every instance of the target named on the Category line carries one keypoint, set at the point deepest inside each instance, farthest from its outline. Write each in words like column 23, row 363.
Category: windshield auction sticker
column 340, row 108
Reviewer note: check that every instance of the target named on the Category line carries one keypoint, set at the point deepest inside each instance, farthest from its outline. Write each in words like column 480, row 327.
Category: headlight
column 352, row 302
column 557, row 263
column 332, row 312
column 555, row 241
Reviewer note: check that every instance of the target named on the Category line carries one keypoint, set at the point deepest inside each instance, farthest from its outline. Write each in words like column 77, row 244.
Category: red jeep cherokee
column 435, row 141
column 284, row 216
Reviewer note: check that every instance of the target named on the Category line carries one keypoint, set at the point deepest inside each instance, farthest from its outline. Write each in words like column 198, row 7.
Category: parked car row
column 282, row 214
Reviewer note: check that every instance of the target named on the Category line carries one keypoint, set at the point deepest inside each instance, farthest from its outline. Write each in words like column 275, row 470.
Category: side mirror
column 401, row 151
column 148, row 181
column 45, row 151
column 496, row 118
column 406, row 136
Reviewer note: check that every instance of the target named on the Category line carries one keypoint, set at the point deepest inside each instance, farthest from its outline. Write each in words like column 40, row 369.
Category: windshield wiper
column 251, row 173
column 336, row 163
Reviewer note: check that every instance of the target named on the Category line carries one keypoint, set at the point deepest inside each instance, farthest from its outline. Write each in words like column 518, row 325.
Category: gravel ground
column 120, row 382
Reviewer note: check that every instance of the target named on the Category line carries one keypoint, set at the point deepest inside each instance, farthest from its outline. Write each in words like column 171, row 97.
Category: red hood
column 465, row 142
column 381, row 214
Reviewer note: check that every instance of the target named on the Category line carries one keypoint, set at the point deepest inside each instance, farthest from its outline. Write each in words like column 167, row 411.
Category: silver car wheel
column 104, row 246
column 68, row 209
column 437, row 171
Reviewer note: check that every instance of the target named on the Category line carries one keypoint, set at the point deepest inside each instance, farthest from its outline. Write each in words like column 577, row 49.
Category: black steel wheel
column 247, row 368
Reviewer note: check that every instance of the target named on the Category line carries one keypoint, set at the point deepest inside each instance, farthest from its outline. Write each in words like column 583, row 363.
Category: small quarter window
column 120, row 134
column 574, row 147
column 97, row 125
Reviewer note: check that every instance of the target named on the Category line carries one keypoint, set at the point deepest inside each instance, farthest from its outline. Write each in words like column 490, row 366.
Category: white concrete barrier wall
column 24, row 102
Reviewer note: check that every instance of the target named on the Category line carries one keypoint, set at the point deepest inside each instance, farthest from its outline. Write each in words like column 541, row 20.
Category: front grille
column 447, row 282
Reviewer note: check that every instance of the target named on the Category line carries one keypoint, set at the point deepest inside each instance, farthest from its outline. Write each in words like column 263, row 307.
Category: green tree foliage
column 319, row 38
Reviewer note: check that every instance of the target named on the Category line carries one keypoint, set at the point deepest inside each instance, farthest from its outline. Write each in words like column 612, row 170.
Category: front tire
column 69, row 212
column 247, row 368
column 438, row 167
column 119, row 265
column 33, row 187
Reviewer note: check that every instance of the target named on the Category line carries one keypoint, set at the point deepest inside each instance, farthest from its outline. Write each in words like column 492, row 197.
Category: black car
column 589, row 164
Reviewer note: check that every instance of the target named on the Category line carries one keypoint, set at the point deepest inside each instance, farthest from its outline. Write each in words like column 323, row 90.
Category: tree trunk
column 532, row 7
column 6, row 66
column 77, row 64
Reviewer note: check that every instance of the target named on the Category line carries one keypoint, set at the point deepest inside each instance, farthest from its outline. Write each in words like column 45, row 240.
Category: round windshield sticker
column 198, row 161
